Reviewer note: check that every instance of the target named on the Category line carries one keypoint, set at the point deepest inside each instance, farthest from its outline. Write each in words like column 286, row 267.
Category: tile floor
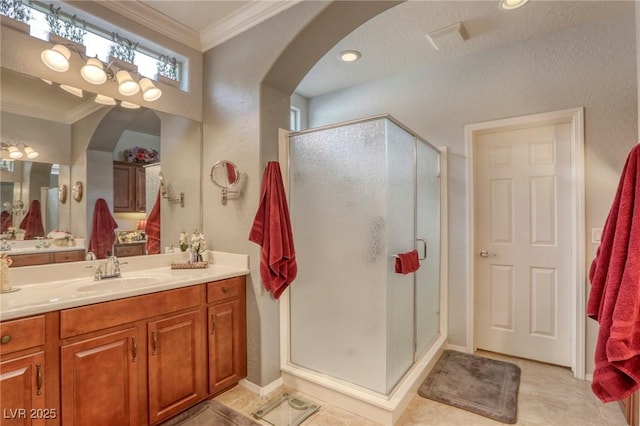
column 548, row 396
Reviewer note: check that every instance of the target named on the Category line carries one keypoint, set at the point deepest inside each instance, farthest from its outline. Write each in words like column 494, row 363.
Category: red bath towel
column 272, row 230
column 407, row 263
column 614, row 299
column 32, row 222
column 103, row 230
column 152, row 228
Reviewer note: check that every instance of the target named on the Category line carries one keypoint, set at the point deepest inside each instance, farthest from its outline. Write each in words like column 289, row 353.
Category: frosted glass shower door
column 428, row 243
column 352, row 202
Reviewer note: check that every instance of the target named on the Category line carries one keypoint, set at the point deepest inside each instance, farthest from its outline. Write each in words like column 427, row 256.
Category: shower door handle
column 424, row 251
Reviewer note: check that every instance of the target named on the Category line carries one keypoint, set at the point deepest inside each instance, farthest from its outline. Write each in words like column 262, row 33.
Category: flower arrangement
column 61, row 238
column 195, row 245
column 140, row 155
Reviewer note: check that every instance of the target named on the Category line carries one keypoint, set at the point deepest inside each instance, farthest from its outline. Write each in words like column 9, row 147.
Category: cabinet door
column 141, row 187
column 176, row 364
column 22, row 391
column 100, row 380
column 227, row 356
column 124, row 180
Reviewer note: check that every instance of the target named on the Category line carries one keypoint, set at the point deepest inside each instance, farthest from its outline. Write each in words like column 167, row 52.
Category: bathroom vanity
column 135, row 350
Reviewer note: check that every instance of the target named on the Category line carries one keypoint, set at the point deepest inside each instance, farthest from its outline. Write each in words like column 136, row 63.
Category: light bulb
column 129, row 105
column 511, row 4
column 73, row 90
column 14, row 152
column 126, row 85
column 104, row 100
column 93, row 71
column 150, row 92
column 56, row 58
column 31, row 153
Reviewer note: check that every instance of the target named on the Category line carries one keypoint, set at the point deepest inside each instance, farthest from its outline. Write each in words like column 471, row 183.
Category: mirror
column 225, row 174
column 86, row 139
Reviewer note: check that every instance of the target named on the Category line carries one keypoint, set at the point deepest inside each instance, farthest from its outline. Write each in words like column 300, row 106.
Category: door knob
column 485, row 253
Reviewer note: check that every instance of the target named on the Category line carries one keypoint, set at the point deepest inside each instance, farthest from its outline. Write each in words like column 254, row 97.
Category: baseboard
column 261, row 390
column 458, row 348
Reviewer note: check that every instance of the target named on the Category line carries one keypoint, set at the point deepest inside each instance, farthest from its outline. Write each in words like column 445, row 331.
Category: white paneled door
column 523, row 242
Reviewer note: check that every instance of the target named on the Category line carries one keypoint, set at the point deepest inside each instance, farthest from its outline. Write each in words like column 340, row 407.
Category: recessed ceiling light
column 350, row 56
column 511, row 4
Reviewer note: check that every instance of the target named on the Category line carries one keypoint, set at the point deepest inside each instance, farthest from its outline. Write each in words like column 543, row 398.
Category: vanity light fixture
column 129, row 105
column 350, row 55
column 126, row 85
column 511, row 4
column 104, row 100
column 94, row 71
column 15, row 153
column 149, row 91
column 56, row 58
column 73, row 90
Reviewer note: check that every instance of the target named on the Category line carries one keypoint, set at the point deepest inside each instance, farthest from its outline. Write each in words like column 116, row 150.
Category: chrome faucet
column 5, row 245
column 111, row 269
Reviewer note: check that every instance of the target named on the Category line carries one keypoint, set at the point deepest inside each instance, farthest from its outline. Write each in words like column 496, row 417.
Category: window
column 294, row 117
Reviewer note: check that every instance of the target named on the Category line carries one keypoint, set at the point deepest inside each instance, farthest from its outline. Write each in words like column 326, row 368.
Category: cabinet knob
column 225, row 289
column 5, row 339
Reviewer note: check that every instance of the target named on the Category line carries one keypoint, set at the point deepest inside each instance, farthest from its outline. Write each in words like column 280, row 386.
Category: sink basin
column 112, row 284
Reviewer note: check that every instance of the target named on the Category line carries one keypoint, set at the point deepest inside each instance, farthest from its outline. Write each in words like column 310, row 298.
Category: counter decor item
column 5, row 284
column 140, row 155
column 195, row 246
column 61, row 238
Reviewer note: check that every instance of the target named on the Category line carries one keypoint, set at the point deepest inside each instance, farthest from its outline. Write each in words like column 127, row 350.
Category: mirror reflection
column 113, row 151
column 225, row 174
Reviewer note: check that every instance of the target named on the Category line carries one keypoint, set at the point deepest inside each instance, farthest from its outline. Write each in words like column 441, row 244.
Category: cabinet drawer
column 31, row 259
column 225, row 289
column 25, row 333
column 68, row 256
column 85, row 319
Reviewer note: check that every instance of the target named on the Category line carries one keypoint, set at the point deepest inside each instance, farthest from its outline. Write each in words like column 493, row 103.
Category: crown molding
column 156, row 21
column 69, row 117
column 243, row 19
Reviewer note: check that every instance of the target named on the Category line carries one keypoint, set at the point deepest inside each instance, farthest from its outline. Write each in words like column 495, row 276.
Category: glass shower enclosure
column 360, row 193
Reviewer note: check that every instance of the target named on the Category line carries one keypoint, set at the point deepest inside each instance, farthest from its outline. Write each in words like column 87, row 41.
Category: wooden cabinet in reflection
column 130, row 249
column 129, row 185
column 45, row 258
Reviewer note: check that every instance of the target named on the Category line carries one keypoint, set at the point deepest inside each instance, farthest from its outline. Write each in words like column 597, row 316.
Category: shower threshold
column 286, row 410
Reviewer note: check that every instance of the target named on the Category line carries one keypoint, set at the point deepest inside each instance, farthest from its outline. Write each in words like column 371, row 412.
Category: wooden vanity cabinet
column 226, row 333
column 176, row 364
column 129, row 186
column 133, row 361
column 100, row 380
column 22, row 378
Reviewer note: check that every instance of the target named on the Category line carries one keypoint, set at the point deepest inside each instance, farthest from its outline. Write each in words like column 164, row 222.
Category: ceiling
column 392, row 42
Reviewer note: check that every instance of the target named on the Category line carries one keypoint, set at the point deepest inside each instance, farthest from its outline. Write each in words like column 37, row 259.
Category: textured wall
column 592, row 65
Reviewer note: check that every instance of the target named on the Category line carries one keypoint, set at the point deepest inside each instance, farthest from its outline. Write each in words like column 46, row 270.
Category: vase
column 195, row 258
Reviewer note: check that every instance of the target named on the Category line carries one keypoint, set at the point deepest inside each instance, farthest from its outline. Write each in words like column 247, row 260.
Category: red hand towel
column 272, row 230
column 152, row 228
column 102, row 231
column 407, row 263
column 32, row 222
column 614, row 299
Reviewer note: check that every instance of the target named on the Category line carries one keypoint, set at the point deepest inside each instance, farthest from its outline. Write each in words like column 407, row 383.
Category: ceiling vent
column 448, row 36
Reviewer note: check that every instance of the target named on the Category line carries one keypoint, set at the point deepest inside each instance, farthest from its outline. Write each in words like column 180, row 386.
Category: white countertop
column 46, row 288
column 29, row 247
